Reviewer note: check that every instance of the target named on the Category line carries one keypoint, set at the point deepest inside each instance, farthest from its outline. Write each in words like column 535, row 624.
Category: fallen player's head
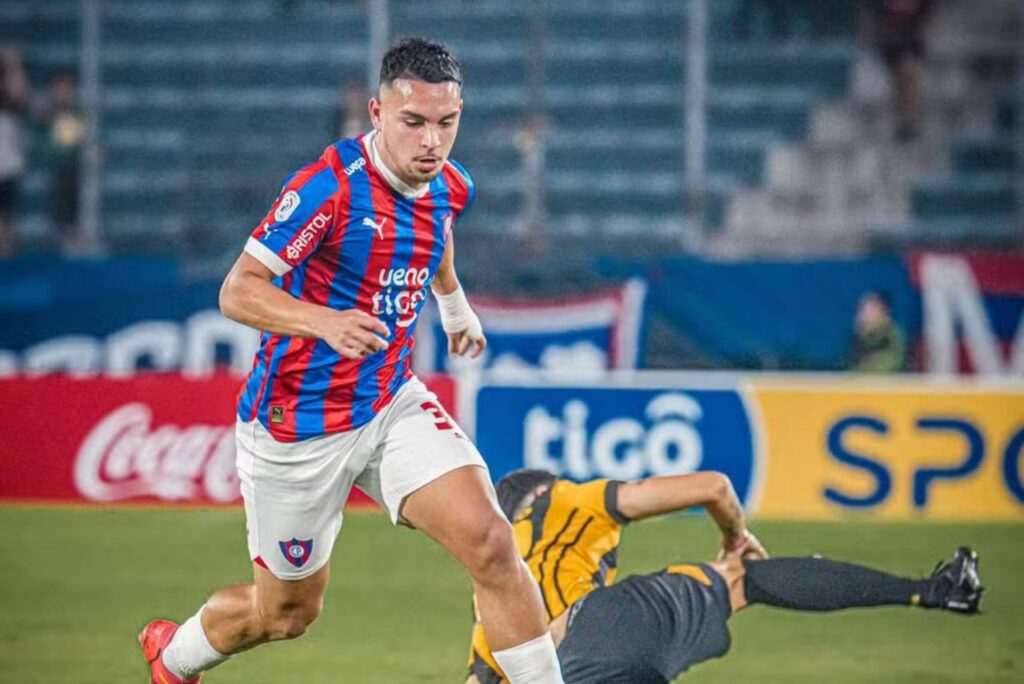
column 416, row 112
column 518, row 489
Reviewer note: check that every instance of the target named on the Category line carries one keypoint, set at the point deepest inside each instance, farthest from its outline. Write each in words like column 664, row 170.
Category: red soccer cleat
column 154, row 639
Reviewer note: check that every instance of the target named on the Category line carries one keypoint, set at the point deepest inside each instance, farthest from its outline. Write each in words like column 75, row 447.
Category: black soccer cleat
column 956, row 585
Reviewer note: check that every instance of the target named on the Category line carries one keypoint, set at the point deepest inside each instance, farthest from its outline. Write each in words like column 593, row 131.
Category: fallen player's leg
column 820, row 584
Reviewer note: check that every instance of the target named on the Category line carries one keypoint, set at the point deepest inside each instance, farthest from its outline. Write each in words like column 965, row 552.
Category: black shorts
column 648, row 628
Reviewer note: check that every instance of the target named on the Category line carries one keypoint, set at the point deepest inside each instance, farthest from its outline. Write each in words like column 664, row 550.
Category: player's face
column 416, row 124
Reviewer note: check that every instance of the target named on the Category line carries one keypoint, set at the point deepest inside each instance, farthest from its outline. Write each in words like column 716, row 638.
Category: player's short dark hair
column 514, row 487
column 419, row 60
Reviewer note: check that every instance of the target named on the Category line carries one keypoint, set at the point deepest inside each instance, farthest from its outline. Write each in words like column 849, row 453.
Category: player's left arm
column 670, row 493
column 460, row 322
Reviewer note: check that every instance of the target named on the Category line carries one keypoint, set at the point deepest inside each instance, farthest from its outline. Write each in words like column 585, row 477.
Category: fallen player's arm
column 670, row 493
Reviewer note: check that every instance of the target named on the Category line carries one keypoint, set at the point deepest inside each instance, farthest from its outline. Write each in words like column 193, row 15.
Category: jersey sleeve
column 301, row 217
column 611, row 502
column 600, row 497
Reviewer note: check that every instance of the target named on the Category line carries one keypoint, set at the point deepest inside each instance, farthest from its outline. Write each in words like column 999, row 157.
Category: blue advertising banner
column 115, row 316
column 790, row 315
column 594, row 332
column 586, row 432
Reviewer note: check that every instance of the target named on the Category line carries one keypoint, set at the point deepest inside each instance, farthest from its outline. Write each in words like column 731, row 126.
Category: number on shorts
column 441, row 421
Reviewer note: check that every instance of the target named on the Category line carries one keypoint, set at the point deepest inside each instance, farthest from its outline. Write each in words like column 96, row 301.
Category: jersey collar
column 401, row 187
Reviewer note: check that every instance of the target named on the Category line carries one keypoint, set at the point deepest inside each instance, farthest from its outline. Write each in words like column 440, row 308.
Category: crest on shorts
column 296, row 551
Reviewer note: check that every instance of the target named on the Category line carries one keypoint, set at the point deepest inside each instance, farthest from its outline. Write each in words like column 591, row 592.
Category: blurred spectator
column 353, row 117
column 898, row 27
column 13, row 106
column 65, row 124
column 879, row 346
column 530, row 140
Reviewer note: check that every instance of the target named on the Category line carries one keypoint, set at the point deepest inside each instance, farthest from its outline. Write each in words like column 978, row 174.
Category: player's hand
column 744, row 546
column 467, row 341
column 354, row 334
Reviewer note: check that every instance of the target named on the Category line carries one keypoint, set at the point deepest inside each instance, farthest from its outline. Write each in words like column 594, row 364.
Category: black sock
column 822, row 584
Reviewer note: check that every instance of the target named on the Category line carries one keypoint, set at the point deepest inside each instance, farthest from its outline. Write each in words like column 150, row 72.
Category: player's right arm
column 249, row 297
column 298, row 222
column 667, row 494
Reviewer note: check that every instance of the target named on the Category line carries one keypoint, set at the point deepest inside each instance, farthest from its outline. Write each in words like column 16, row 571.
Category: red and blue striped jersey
column 340, row 235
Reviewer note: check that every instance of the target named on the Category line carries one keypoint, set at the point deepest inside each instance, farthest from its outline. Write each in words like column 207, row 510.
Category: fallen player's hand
column 744, row 546
column 753, row 548
column 353, row 333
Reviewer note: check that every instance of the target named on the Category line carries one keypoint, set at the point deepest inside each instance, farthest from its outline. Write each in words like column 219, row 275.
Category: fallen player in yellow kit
column 651, row 628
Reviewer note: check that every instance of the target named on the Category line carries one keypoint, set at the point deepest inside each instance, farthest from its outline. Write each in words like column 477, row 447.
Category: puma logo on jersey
column 379, row 227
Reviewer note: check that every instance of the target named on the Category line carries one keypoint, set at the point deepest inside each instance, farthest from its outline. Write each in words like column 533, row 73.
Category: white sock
column 190, row 652
column 532, row 662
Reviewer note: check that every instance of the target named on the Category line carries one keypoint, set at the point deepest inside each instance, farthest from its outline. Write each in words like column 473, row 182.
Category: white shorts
column 294, row 491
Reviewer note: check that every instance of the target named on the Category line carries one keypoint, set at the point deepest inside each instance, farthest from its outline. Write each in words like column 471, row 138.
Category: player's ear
column 375, row 112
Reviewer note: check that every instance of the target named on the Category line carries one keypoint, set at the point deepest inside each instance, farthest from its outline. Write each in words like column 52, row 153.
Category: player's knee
column 289, row 623
column 492, row 552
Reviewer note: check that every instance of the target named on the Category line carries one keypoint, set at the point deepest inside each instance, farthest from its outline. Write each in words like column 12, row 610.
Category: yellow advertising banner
column 898, row 451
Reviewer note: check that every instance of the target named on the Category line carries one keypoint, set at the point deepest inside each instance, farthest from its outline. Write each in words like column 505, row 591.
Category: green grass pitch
column 77, row 584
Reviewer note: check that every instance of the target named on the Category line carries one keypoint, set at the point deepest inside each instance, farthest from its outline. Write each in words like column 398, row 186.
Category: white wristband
column 457, row 315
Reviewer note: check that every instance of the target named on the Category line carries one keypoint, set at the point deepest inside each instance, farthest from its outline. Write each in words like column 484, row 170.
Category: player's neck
column 403, row 188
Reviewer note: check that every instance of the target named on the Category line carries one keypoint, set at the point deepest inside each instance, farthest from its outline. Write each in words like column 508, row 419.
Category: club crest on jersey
column 296, row 551
column 287, row 206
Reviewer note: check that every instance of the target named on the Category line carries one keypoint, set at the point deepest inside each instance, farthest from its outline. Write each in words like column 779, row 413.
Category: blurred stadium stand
column 208, row 105
column 847, row 182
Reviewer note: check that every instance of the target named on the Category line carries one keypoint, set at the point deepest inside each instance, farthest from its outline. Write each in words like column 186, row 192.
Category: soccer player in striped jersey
column 335, row 277
column 648, row 629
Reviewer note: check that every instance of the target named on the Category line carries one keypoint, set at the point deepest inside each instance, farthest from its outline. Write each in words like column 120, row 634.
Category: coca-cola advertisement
column 152, row 438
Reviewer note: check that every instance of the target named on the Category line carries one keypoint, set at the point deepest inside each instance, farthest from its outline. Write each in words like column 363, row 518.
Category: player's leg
column 293, row 497
column 239, row 617
column 820, row 584
column 459, row 512
column 477, row 535
column 430, row 476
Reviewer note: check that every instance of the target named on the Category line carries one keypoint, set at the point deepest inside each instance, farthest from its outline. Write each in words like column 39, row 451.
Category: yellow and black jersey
column 569, row 539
